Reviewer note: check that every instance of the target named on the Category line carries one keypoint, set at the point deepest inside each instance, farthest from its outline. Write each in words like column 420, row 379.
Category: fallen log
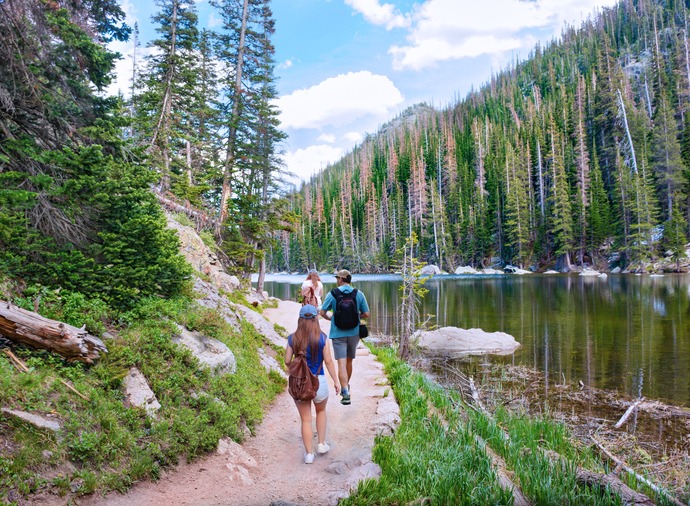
column 603, row 481
column 638, row 477
column 32, row 329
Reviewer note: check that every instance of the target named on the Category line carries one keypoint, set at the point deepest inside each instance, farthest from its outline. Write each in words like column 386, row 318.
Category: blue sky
column 345, row 67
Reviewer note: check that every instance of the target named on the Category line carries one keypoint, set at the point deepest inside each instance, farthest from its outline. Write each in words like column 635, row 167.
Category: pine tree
column 166, row 89
column 666, row 156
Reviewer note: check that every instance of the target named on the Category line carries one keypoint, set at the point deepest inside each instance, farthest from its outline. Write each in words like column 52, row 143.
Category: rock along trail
column 268, row 467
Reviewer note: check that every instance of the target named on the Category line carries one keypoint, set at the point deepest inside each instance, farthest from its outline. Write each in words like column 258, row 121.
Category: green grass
column 106, row 446
column 434, row 456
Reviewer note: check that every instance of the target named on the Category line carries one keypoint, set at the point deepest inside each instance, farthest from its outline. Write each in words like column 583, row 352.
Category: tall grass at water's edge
column 436, row 455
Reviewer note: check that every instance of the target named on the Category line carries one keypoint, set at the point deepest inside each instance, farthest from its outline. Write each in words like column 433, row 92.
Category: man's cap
column 308, row 312
column 344, row 274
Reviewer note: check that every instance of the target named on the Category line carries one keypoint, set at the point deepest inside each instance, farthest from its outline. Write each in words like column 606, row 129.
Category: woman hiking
column 309, row 339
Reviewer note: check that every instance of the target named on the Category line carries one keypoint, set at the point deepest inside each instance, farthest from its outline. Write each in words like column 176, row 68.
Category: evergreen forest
column 83, row 174
column 576, row 156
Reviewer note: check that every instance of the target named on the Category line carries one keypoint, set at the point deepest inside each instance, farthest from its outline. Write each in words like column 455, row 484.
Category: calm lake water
column 626, row 333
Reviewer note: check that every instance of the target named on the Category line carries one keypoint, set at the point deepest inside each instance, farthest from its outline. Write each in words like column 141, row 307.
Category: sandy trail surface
column 268, row 467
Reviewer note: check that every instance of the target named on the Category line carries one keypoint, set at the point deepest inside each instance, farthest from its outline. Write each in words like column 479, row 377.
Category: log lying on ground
column 34, row 330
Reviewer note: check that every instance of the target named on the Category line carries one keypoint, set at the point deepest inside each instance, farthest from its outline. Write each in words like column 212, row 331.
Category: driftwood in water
column 34, row 330
column 628, row 412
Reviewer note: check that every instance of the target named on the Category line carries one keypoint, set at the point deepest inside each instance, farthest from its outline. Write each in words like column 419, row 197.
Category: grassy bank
column 447, row 452
column 104, row 445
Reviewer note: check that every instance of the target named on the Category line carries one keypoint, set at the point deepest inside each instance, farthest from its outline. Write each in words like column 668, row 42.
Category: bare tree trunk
column 627, row 130
column 232, row 130
column 164, row 118
column 262, row 275
column 32, row 329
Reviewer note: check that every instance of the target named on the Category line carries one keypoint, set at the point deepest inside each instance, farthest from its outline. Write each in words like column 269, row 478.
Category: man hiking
column 348, row 305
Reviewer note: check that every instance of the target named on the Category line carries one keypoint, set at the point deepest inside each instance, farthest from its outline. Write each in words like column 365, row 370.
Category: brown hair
column 308, row 333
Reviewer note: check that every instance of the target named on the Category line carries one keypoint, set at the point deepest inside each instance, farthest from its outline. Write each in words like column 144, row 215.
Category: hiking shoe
column 346, row 399
column 322, row 448
column 308, row 458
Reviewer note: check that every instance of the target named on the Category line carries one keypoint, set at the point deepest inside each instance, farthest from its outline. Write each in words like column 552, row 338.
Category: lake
column 626, row 333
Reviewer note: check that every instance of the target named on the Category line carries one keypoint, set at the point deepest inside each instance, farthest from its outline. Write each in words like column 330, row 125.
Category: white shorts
column 322, row 393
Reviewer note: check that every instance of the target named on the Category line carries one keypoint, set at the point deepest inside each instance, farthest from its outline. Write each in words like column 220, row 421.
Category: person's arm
column 288, row 354
column 330, row 366
column 364, row 307
column 326, row 306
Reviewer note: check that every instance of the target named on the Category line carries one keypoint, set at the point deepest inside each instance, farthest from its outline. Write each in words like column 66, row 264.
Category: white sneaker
column 308, row 458
column 322, row 448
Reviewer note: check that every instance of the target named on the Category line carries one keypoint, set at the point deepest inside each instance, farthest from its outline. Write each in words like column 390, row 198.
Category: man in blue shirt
column 345, row 341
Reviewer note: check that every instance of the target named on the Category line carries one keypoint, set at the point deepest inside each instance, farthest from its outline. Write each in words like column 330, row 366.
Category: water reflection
column 627, row 333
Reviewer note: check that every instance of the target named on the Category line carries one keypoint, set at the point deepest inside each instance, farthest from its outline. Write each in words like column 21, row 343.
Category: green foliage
column 107, row 446
column 439, row 452
column 101, row 231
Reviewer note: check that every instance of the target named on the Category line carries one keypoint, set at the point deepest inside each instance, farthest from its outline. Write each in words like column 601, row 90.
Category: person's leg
column 352, row 343
column 343, row 374
column 348, row 368
column 304, row 409
column 321, row 421
column 340, row 355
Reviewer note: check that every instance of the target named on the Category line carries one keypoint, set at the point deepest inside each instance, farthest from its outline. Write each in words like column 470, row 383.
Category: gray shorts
column 345, row 347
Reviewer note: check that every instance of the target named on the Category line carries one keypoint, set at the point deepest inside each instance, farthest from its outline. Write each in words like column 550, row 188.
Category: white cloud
column 286, row 64
column 329, row 138
column 339, row 101
column 311, row 160
column 447, row 29
column 354, row 137
column 214, row 21
column 379, row 14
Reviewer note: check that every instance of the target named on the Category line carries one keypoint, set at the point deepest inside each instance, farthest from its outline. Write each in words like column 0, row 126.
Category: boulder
column 515, row 270
column 491, row 271
column 38, row 421
column 210, row 352
column 589, row 272
column 430, row 270
column 551, row 271
column 138, row 392
column 465, row 270
column 456, row 341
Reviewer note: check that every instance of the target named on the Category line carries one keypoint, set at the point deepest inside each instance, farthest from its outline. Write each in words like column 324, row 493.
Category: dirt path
column 268, row 468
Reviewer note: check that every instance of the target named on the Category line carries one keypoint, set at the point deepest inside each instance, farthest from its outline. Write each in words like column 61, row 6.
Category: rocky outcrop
column 209, row 352
column 202, row 258
column 454, row 341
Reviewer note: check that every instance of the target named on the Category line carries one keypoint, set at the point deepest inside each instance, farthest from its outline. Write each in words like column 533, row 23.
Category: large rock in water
column 456, row 341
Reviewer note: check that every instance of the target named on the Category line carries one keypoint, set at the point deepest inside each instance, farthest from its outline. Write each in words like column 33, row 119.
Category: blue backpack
column 345, row 315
